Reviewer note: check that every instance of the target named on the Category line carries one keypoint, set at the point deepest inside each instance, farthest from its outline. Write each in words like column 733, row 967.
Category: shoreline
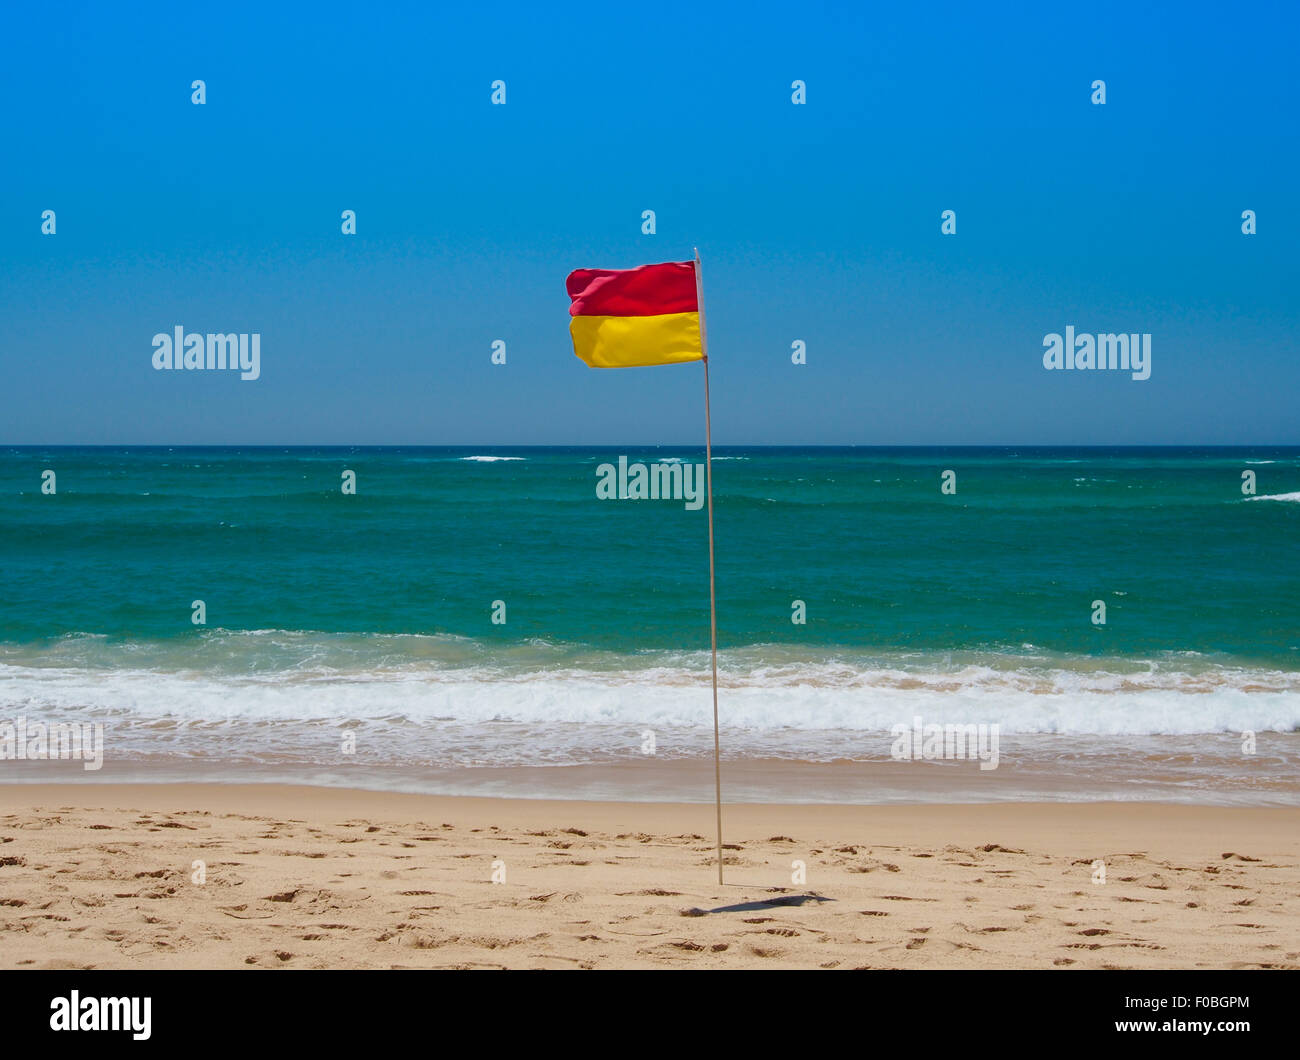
column 294, row 876
column 246, row 796
column 1176, row 777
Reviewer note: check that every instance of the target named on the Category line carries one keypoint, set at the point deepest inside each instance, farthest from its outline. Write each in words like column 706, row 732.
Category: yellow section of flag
column 637, row 341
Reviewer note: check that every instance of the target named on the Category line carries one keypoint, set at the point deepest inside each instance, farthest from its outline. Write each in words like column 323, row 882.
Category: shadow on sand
column 759, row 906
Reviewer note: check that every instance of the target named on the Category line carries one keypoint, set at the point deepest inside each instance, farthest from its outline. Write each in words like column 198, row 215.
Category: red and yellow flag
column 630, row 318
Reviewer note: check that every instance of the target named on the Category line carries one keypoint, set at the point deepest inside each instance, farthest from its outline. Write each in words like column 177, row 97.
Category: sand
column 104, row 876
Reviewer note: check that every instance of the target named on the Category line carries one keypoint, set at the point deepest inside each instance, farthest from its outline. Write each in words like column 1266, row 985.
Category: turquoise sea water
column 326, row 610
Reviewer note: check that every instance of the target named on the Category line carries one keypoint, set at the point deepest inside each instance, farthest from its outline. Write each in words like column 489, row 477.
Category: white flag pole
column 713, row 600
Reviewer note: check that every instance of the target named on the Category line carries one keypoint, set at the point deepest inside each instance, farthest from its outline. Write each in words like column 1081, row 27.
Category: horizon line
column 646, row 445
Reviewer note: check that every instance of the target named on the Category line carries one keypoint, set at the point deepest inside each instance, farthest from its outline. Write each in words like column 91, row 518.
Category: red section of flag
column 647, row 290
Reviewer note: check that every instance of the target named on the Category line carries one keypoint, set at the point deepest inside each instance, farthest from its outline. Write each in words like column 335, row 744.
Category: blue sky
column 818, row 222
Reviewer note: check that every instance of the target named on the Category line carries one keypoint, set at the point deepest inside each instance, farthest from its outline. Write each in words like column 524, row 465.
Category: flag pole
column 713, row 599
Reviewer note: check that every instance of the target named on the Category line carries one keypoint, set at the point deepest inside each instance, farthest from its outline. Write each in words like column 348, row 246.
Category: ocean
column 350, row 639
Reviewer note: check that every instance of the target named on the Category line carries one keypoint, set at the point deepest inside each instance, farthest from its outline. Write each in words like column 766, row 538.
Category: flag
column 629, row 318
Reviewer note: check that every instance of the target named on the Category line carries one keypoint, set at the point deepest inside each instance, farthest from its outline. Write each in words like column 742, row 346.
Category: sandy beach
column 105, row 876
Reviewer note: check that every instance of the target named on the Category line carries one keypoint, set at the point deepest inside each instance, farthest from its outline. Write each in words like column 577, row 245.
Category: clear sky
column 818, row 222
